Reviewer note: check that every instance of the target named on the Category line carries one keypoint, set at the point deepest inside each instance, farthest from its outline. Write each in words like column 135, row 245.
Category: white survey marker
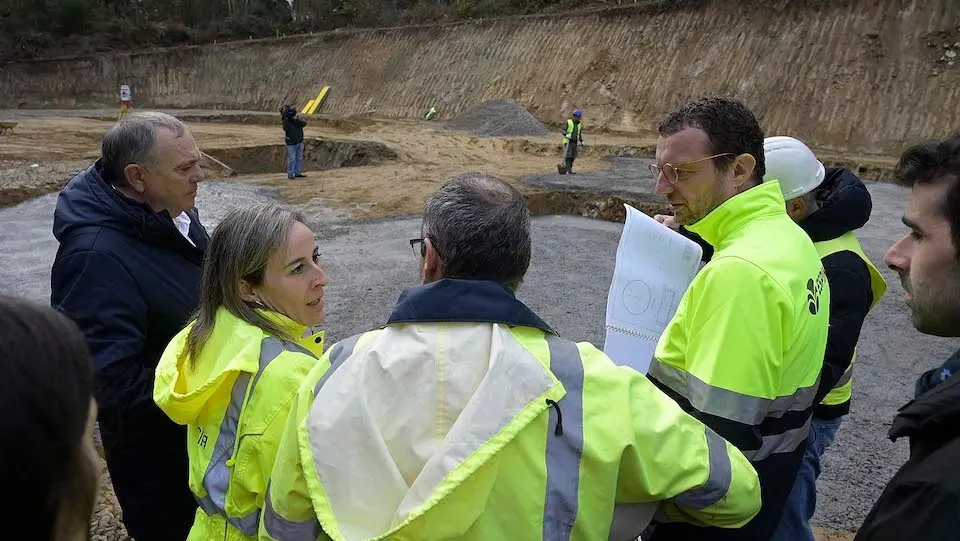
column 655, row 265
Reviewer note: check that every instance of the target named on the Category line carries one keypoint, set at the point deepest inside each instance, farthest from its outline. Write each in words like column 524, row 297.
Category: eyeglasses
column 670, row 171
column 422, row 252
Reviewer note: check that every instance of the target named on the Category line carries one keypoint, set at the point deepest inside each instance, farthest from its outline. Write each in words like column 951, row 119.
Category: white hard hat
column 793, row 164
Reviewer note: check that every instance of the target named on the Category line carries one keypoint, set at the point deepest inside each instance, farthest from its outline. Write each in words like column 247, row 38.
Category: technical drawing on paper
column 666, row 305
column 636, row 297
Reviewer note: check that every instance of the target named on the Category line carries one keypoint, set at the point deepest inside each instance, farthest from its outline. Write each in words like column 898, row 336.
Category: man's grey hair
column 133, row 140
column 811, row 201
column 480, row 228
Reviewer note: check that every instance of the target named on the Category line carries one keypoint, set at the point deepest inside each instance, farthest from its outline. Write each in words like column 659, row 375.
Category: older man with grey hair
column 128, row 273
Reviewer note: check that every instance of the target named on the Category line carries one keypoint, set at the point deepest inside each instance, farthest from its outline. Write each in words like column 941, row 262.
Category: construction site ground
column 367, row 181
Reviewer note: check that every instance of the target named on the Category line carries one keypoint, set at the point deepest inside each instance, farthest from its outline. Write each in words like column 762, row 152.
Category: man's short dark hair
column 729, row 125
column 933, row 163
column 480, row 227
column 133, row 140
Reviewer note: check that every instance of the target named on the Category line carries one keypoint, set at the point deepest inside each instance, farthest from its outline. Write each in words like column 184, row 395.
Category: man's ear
column 743, row 168
column 796, row 207
column 134, row 175
column 431, row 263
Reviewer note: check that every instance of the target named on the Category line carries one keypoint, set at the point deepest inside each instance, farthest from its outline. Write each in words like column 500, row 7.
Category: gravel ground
column 371, row 263
column 498, row 118
column 626, row 177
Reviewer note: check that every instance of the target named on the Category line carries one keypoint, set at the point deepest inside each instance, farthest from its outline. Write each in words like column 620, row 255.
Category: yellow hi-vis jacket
column 425, row 430
column 744, row 351
column 841, row 392
column 234, row 400
column 573, row 130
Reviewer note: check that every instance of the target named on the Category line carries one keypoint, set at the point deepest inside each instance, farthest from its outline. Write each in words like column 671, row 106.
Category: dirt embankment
column 866, row 76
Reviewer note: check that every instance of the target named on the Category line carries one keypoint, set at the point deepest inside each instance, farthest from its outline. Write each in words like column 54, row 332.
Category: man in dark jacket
column 828, row 204
column 922, row 501
column 128, row 273
column 293, row 136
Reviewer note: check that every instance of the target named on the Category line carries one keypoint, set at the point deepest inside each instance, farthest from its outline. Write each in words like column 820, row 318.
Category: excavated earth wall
column 859, row 76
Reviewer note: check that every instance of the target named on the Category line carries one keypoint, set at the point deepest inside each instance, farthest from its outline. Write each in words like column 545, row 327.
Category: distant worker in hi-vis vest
column 466, row 416
column 572, row 138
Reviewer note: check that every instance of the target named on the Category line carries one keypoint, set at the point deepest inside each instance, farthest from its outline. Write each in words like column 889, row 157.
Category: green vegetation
column 37, row 28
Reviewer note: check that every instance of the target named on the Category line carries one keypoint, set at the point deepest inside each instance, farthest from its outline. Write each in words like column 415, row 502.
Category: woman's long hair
column 45, row 403
column 240, row 249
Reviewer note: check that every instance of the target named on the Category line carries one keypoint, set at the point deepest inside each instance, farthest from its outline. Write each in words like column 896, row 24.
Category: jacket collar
column 845, row 205
column 935, row 413
column 734, row 213
column 474, row 301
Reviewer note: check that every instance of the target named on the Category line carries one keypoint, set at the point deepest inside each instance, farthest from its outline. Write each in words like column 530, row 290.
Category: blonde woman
column 231, row 374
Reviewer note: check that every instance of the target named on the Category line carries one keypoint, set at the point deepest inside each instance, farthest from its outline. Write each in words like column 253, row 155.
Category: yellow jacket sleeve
column 288, row 509
column 674, row 458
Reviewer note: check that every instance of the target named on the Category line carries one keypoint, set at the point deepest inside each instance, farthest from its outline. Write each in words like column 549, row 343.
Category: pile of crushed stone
column 498, row 118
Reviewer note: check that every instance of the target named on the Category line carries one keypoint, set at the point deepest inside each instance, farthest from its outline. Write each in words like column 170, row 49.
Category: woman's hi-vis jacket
column 234, row 400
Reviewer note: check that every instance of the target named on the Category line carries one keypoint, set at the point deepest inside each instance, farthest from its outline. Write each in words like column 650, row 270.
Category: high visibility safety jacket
column 234, row 400
column 841, row 392
column 744, row 351
column 573, row 130
column 467, row 417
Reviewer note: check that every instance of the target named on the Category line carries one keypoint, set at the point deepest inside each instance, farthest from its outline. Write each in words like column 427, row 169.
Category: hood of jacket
column 477, row 387
column 90, row 199
column 184, row 386
column 845, row 205
column 933, row 416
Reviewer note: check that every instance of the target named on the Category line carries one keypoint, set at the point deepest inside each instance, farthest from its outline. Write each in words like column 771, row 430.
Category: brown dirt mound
column 498, row 118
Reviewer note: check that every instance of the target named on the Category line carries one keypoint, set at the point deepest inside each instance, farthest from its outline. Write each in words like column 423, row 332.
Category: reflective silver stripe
column 276, row 525
column 341, row 352
column 216, row 480
column 780, row 443
column 288, row 530
column 564, row 451
column 718, row 481
column 749, row 410
column 845, row 378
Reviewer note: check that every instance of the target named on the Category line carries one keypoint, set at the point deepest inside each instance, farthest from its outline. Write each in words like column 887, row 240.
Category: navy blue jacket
column 128, row 278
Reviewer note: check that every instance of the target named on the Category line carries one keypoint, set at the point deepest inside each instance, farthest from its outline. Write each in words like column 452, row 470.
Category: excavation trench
column 590, row 204
column 597, row 194
column 318, row 154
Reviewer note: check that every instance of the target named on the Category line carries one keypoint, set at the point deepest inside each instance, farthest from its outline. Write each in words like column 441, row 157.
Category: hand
column 667, row 220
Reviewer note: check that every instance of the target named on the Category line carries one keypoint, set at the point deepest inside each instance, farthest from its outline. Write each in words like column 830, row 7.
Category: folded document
column 655, row 265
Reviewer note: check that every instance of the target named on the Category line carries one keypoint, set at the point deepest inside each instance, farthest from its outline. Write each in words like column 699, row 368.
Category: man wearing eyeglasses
column 744, row 351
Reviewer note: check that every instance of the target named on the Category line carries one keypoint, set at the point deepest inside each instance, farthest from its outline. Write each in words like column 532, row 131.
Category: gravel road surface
column 371, row 263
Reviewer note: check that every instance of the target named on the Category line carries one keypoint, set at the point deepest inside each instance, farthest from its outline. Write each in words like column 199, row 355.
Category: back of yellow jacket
column 475, row 430
column 234, row 399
